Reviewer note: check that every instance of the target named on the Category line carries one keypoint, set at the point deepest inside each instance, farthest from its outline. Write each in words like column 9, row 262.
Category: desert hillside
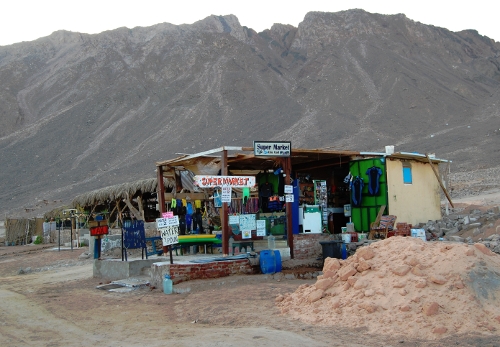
column 80, row 112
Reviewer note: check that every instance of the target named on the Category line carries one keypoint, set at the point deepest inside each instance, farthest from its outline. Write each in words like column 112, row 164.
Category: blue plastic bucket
column 277, row 258
column 267, row 261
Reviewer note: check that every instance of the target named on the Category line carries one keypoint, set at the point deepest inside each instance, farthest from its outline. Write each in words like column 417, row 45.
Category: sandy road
column 57, row 304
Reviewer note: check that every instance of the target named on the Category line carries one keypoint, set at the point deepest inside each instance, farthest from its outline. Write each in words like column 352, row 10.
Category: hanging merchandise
column 281, row 182
column 347, row 178
column 374, row 174
column 217, row 199
column 180, row 210
column 246, row 195
column 189, row 208
column 197, row 203
column 189, row 222
column 356, row 190
column 266, row 190
column 274, row 204
column 173, row 204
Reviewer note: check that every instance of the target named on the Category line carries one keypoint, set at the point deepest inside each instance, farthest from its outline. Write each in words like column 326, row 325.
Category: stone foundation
column 181, row 272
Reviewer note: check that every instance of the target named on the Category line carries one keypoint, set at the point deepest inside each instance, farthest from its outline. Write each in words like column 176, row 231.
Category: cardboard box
column 420, row 233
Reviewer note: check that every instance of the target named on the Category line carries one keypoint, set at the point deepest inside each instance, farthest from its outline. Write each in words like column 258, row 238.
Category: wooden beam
column 287, row 168
column 436, row 173
column 223, row 215
column 132, row 209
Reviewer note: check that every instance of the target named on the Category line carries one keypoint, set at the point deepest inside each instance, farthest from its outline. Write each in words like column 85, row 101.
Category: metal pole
column 71, row 232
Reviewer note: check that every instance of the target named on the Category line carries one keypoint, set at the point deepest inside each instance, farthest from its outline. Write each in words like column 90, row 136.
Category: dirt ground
column 56, row 303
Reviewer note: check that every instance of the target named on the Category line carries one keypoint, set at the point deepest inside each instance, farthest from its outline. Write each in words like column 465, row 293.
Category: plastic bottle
column 344, row 250
column 271, row 244
column 167, row 285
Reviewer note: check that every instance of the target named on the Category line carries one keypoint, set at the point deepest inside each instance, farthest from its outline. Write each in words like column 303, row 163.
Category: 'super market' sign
column 219, row 181
column 272, row 149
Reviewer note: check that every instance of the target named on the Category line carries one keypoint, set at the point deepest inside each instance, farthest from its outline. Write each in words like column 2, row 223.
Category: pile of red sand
column 405, row 286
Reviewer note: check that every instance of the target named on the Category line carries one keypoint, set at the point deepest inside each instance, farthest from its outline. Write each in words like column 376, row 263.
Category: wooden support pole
column 224, row 216
column 439, row 180
column 287, row 170
column 160, row 192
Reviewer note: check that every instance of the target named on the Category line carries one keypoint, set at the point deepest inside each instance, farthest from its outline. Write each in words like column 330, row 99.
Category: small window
column 407, row 177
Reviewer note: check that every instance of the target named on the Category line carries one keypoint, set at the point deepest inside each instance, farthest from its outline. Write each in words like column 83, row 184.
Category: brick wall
column 307, row 246
column 187, row 272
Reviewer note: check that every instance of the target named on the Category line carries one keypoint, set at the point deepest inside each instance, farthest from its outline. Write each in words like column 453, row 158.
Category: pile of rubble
column 404, row 286
column 468, row 224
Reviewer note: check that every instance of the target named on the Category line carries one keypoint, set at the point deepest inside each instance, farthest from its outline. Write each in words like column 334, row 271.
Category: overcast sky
column 30, row 19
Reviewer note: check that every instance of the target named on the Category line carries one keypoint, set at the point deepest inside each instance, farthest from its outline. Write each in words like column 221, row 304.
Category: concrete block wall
column 307, row 246
column 193, row 271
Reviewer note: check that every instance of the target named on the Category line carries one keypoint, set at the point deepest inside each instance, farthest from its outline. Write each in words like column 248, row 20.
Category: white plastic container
column 346, row 238
column 389, row 150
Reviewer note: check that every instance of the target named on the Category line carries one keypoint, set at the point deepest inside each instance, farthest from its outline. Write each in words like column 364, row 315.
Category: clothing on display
column 245, row 195
column 374, row 174
column 266, row 190
column 356, row 191
column 274, row 204
column 182, row 225
column 189, row 222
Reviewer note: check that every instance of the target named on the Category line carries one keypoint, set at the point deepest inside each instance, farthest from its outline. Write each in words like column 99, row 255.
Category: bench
column 153, row 246
column 240, row 245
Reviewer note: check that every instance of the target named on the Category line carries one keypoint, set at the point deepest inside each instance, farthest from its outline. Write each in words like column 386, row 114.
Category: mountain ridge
column 81, row 111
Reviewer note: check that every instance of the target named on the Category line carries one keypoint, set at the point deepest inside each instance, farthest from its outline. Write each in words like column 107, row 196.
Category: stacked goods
column 405, row 286
column 402, row 229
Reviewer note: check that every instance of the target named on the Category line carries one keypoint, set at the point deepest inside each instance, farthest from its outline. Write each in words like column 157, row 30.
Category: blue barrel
column 277, row 257
column 267, row 261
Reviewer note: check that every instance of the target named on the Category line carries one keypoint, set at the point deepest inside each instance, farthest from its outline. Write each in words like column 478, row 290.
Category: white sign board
column 166, row 222
column 261, row 227
column 169, row 235
column 288, row 189
column 247, row 222
column 220, row 181
column 289, row 198
column 226, row 194
column 272, row 149
column 234, row 219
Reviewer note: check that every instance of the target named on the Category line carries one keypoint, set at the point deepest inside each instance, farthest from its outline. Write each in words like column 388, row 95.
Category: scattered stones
column 483, row 248
column 430, row 309
column 439, row 330
column 401, row 270
column 316, row 295
column 438, row 279
column 366, row 253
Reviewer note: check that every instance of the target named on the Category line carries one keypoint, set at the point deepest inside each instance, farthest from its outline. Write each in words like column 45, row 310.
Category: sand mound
column 405, row 286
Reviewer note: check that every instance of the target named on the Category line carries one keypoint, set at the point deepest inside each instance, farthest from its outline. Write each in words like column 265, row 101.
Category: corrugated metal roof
column 243, row 158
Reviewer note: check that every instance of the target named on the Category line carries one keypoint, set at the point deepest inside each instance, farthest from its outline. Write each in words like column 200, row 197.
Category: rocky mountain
column 81, row 112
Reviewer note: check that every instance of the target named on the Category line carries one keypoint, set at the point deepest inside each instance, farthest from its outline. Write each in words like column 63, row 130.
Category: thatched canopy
column 119, row 191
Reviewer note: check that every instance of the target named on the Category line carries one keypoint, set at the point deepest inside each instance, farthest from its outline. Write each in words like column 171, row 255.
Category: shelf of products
column 306, row 193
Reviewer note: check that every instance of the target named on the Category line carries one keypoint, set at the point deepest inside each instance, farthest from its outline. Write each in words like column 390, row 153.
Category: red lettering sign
column 99, row 230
